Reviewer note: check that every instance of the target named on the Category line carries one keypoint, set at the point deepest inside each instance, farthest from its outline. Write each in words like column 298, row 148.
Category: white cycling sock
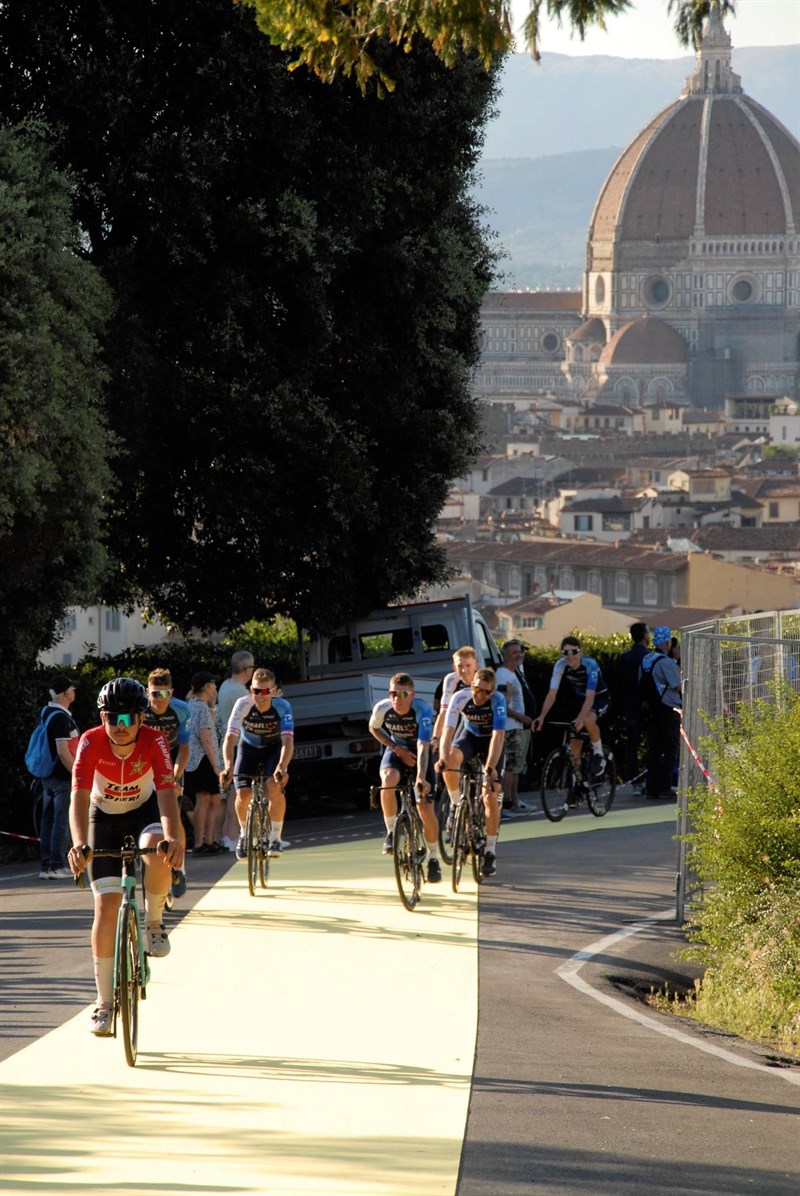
column 597, row 748
column 104, row 979
column 491, row 844
column 433, row 849
column 390, row 820
column 154, row 906
column 277, row 827
column 454, row 796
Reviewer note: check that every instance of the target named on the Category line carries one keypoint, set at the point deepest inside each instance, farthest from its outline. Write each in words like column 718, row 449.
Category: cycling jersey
column 115, row 785
column 586, row 677
column 452, row 684
column 478, row 720
column 261, row 729
column 406, row 730
column 173, row 724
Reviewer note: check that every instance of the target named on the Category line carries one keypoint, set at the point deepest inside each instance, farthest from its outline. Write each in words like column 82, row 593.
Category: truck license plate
column 307, row 753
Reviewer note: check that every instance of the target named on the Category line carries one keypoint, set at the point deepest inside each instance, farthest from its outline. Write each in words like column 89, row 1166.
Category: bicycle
column 567, row 780
column 469, row 827
column 131, row 967
column 408, row 843
column 258, row 829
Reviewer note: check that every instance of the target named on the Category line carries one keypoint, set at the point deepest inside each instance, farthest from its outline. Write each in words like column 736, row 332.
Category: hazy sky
column 646, row 31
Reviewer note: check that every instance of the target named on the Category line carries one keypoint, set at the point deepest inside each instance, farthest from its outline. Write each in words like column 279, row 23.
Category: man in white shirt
column 233, row 688
column 518, row 734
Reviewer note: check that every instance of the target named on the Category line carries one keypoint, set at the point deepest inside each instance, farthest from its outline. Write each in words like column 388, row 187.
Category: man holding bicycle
column 403, row 724
column 122, row 784
column 260, row 735
column 587, row 697
column 482, row 736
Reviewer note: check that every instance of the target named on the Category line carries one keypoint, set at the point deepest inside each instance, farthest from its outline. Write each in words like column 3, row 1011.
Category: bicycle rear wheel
column 253, row 839
column 477, row 837
column 556, row 785
column 460, row 841
column 600, row 792
column 444, row 812
column 129, row 980
column 406, row 866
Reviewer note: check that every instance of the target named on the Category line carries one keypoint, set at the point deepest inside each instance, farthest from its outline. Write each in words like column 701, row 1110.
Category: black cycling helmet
column 122, row 695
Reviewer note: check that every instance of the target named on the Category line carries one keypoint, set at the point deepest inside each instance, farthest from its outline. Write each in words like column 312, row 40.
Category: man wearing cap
column 62, row 735
column 518, row 726
column 664, row 731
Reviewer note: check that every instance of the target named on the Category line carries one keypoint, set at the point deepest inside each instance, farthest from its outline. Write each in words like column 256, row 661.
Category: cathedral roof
column 593, row 331
column 646, row 341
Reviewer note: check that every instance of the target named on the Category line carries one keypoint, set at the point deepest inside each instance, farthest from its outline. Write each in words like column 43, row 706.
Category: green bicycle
column 131, row 967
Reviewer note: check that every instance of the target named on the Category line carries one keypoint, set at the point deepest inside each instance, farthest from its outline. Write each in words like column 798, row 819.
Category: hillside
column 551, row 145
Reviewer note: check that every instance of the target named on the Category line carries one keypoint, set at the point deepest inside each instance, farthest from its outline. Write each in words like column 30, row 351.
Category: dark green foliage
column 298, row 272
column 53, row 439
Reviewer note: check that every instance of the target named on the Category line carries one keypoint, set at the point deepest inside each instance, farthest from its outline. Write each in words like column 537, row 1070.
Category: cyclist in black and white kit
column 588, row 697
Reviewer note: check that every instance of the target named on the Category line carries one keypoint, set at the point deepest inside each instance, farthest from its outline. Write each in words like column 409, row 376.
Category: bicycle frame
column 257, row 832
column 409, row 849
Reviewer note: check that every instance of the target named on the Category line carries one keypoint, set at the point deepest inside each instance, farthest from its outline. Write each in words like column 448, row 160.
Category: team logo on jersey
column 137, row 766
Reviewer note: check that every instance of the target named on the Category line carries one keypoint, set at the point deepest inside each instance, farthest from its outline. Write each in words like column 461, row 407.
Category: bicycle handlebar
column 127, row 851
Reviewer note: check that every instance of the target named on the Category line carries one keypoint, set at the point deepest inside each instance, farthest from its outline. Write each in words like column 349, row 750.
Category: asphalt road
column 576, row 1085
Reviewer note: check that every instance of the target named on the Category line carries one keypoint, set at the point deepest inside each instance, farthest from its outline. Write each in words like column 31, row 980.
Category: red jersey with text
column 117, row 786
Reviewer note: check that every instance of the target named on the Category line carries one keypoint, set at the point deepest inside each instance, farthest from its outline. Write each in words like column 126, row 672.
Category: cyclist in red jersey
column 123, row 784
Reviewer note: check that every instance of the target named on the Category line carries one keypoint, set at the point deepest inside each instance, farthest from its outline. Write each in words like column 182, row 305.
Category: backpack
column 649, row 693
column 39, row 758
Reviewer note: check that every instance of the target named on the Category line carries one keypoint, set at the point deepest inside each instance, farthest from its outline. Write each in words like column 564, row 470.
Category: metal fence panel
column 726, row 664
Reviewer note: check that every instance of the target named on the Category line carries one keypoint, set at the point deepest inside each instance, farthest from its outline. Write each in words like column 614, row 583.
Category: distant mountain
column 565, row 104
column 550, row 148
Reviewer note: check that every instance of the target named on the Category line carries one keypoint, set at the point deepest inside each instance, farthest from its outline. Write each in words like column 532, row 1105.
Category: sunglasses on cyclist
column 480, row 690
column 400, row 693
column 570, row 651
column 128, row 719
column 160, row 693
column 255, row 690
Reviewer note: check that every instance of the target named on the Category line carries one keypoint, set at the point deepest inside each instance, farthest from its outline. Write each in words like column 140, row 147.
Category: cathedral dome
column 713, row 164
column 645, row 341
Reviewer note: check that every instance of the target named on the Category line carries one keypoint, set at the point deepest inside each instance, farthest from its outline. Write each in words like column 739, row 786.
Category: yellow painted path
column 296, row 1042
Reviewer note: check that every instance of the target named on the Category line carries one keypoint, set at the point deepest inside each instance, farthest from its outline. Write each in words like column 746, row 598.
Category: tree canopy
column 339, row 39
column 53, row 439
column 297, row 272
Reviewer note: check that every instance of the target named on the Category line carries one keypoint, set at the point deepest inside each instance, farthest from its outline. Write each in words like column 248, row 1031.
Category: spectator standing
column 630, row 663
column 664, row 727
column 234, row 687
column 201, row 779
column 62, row 736
column 518, row 725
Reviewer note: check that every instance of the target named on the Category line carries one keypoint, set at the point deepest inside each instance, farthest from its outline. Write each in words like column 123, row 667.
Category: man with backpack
column 52, row 749
column 628, row 672
column 661, row 700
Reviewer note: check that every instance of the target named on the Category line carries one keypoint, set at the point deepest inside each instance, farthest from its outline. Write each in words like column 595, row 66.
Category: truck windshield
column 391, row 643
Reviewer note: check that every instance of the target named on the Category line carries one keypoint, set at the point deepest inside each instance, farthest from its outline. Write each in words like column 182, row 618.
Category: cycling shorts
column 252, row 762
column 108, row 832
column 476, row 747
column 390, row 759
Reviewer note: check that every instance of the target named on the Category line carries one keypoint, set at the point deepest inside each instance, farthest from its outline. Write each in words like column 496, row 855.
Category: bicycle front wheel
column 460, row 841
column 129, row 979
column 601, row 792
column 556, row 784
column 477, row 838
column 406, row 866
column 253, row 839
column 263, row 858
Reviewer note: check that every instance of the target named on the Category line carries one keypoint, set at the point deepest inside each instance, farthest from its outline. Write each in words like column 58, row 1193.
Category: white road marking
column 569, row 971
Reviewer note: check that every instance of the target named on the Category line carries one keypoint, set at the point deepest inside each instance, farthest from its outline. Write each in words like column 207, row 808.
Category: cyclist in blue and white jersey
column 587, row 697
column 260, row 735
column 482, row 711
column 403, row 724
column 171, row 717
column 465, row 664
